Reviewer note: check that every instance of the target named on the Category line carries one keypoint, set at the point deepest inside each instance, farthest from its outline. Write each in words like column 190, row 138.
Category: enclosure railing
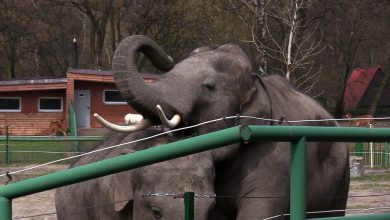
column 374, row 154
column 297, row 135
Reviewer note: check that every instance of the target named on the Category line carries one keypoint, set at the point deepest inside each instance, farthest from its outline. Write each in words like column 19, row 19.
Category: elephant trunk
column 130, row 83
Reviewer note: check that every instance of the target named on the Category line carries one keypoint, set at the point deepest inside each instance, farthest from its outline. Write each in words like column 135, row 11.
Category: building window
column 113, row 97
column 10, row 104
column 50, row 104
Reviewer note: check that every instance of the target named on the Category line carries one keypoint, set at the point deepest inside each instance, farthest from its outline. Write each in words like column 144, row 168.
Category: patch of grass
column 36, row 152
column 373, row 177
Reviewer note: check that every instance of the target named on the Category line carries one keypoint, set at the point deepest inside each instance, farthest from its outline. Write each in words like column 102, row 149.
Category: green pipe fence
column 51, row 138
column 298, row 135
column 73, row 125
column 386, row 156
column 361, row 217
column 189, row 205
column 7, row 154
column 298, row 179
column 377, row 156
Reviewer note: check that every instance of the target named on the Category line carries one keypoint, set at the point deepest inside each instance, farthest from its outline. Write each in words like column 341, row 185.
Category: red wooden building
column 28, row 107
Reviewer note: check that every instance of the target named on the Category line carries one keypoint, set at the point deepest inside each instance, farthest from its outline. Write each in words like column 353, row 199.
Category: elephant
column 214, row 83
column 135, row 194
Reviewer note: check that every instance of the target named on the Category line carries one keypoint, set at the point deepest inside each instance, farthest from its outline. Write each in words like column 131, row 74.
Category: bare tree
column 98, row 13
column 284, row 40
column 14, row 29
column 347, row 28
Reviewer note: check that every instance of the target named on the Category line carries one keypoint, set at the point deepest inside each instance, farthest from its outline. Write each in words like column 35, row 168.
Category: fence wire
column 213, row 196
column 280, row 121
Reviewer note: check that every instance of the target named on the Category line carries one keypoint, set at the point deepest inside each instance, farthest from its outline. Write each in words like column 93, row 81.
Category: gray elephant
column 215, row 83
column 134, row 194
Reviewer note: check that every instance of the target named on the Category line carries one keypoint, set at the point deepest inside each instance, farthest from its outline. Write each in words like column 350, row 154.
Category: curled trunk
column 131, row 84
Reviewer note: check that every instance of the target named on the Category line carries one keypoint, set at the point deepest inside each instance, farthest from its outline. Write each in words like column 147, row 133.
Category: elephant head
column 155, row 191
column 129, row 194
column 209, row 84
column 216, row 83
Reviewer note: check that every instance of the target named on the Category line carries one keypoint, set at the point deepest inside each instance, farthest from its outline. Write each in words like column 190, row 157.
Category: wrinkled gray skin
column 191, row 173
column 215, row 83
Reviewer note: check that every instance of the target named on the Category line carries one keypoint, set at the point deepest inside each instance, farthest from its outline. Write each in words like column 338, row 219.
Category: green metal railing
column 298, row 135
column 374, row 154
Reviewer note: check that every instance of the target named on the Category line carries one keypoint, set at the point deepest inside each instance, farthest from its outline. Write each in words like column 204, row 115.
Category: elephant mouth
column 141, row 96
column 134, row 125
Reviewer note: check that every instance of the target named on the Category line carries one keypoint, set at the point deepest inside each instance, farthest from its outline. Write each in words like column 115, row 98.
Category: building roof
column 108, row 73
column 51, row 83
column 32, row 84
column 32, row 81
column 357, row 84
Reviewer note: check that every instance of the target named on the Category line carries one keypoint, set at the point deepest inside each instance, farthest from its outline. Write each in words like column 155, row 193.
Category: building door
column 82, row 108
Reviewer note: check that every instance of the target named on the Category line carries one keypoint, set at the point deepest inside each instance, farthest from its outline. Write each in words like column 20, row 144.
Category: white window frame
column 12, row 110
column 109, row 102
column 50, row 110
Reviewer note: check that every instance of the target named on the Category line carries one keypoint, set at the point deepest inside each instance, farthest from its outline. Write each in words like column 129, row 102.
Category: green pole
column 189, row 205
column 386, row 164
column 5, row 209
column 73, row 126
column 359, row 149
column 319, row 134
column 72, row 119
column 7, row 151
column 298, row 180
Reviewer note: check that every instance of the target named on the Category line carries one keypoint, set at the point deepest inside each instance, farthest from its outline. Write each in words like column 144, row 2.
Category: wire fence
column 201, row 197
column 36, row 152
column 64, row 155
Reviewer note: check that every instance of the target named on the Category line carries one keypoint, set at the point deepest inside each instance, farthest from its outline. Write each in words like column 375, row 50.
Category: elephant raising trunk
column 216, row 83
column 137, row 93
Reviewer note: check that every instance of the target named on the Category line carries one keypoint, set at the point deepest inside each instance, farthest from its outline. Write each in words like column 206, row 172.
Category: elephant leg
column 261, row 208
column 339, row 202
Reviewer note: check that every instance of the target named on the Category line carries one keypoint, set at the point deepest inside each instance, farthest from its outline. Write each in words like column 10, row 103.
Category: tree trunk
column 339, row 111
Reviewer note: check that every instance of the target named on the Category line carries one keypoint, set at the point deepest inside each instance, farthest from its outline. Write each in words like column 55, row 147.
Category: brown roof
column 33, row 84
column 51, row 83
column 108, row 73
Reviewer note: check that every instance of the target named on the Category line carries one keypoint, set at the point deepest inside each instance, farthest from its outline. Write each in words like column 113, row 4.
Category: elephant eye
column 157, row 214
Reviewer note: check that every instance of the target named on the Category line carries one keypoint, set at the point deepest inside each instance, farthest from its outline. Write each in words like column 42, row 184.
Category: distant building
column 362, row 85
column 28, row 107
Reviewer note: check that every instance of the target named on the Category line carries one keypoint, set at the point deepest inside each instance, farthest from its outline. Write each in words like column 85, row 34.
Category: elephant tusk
column 168, row 123
column 125, row 129
column 132, row 119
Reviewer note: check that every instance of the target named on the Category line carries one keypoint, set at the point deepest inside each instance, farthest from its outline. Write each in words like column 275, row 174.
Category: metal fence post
column 7, row 151
column 386, row 162
column 189, row 205
column 359, row 149
column 5, row 208
column 298, row 180
column 73, row 126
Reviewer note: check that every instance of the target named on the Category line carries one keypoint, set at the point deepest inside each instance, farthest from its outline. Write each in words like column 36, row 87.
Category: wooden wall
column 28, row 123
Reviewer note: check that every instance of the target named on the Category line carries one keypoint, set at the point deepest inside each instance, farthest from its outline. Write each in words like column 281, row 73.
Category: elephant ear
column 123, row 191
column 121, row 184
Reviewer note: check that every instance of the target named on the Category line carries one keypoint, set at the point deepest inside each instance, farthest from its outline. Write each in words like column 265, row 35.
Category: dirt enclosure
column 40, row 206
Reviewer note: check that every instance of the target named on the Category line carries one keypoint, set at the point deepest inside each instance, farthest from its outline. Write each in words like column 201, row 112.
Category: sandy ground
column 41, row 205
